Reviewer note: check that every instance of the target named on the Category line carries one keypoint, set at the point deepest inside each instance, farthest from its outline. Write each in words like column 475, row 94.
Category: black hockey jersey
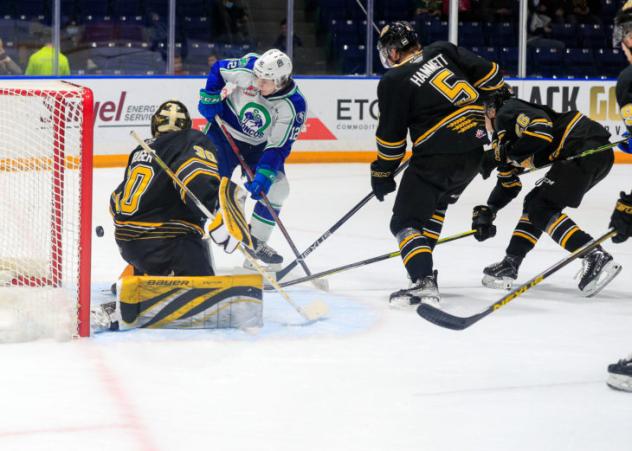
column 436, row 97
column 539, row 134
column 148, row 204
column 624, row 96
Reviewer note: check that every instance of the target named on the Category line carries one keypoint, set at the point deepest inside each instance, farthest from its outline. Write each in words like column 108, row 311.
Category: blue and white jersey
column 275, row 120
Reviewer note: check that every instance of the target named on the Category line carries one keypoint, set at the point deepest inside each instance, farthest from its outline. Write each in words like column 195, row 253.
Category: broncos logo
column 254, row 119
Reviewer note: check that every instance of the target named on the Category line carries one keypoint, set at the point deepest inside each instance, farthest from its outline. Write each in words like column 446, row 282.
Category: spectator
column 7, row 65
column 178, row 66
column 498, row 10
column 428, row 9
column 465, row 9
column 235, row 21
column 585, row 11
column 42, row 62
column 539, row 33
column 281, row 40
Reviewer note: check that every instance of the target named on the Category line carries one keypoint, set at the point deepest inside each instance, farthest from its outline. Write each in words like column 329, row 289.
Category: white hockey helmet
column 274, row 65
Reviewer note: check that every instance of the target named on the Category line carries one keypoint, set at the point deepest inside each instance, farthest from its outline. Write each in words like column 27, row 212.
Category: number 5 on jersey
column 458, row 93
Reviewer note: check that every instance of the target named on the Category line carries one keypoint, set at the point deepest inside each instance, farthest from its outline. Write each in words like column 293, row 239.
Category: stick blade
column 316, row 310
column 445, row 319
column 321, row 284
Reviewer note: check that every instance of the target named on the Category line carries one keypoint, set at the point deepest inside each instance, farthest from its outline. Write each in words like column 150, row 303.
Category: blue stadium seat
column 353, row 59
column 197, row 28
column 437, row 31
column 610, row 61
column 93, row 7
column 567, row 33
column 546, row 61
column 592, row 36
column 127, row 7
column 580, row 62
column 501, row 34
column 508, row 60
column 30, row 7
column 489, row 53
column 471, row 34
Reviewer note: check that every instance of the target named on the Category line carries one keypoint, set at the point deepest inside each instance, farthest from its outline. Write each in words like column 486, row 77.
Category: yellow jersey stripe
column 391, row 144
column 488, row 76
column 421, row 250
column 408, row 239
column 451, row 117
column 569, row 127
column 547, row 138
column 525, row 236
column 557, row 222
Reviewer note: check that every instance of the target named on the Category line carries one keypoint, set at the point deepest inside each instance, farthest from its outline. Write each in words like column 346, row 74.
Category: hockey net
column 45, row 209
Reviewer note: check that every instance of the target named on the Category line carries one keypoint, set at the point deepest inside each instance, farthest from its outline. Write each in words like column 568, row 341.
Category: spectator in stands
column 465, row 9
column 281, row 39
column 585, row 11
column 7, row 65
column 498, row 10
column 428, row 9
column 178, row 66
column 235, row 21
column 539, row 34
column 42, row 62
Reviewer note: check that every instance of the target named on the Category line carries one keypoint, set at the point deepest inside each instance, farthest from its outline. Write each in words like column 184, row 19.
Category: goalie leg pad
column 232, row 200
column 213, row 302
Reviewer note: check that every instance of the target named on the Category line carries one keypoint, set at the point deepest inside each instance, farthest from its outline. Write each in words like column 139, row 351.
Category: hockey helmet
column 622, row 24
column 496, row 99
column 399, row 35
column 171, row 116
column 274, row 65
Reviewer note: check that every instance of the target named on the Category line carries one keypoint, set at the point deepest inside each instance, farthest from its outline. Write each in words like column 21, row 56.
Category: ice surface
column 529, row 377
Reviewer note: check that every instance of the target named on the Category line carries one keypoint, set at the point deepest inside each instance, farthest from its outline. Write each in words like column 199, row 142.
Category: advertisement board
column 342, row 112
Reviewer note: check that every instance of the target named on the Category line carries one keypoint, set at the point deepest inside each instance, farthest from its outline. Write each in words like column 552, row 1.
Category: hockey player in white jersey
column 264, row 111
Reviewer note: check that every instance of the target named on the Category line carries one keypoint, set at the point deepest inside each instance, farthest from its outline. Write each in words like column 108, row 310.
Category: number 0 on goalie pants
column 212, row 302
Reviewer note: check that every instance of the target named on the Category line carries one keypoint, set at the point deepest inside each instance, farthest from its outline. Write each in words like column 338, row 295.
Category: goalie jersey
column 540, row 134
column 436, row 97
column 148, row 204
column 273, row 122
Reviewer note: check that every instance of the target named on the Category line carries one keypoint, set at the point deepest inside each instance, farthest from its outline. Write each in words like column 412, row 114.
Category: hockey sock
column 566, row 233
column 432, row 229
column 524, row 237
column 262, row 223
column 416, row 253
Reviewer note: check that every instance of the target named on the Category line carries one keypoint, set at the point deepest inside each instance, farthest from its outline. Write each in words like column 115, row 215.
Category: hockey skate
column 620, row 375
column 424, row 291
column 598, row 269
column 102, row 317
column 502, row 275
column 267, row 257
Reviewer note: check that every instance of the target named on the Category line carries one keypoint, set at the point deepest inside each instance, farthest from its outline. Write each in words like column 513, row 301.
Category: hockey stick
column 368, row 261
column 449, row 321
column 322, row 285
column 579, row 155
column 313, row 311
column 284, row 272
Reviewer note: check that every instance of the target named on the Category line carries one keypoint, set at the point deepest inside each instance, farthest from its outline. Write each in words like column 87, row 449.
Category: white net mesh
column 41, row 187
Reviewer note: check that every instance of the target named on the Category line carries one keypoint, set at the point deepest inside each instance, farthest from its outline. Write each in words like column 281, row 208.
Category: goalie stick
column 368, row 261
column 311, row 312
column 449, row 321
column 285, row 271
column 320, row 284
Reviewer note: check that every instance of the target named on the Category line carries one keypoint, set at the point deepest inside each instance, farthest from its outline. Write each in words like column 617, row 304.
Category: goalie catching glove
column 229, row 226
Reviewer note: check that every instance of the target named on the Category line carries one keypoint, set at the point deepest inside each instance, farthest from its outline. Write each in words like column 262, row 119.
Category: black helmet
column 171, row 116
column 622, row 24
column 496, row 99
column 399, row 35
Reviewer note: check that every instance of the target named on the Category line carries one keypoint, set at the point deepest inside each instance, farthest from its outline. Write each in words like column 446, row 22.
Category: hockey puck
column 99, row 231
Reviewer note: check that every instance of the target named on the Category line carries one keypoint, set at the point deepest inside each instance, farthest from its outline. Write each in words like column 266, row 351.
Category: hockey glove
column 218, row 232
column 210, row 104
column 483, row 222
column 382, row 182
column 625, row 146
column 264, row 177
column 621, row 219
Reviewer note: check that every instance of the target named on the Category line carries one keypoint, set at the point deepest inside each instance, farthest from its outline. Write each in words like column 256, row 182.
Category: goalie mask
column 171, row 116
column 274, row 65
column 622, row 24
column 400, row 36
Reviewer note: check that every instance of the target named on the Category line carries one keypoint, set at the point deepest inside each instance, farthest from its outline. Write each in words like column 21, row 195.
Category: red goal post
column 45, row 209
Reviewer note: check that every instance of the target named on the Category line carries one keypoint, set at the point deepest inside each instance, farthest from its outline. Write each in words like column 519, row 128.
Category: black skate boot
column 620, row 375
column 502, row 275
column 598, row 269
column 102, row 317
column 267, row 257
column 423, row 291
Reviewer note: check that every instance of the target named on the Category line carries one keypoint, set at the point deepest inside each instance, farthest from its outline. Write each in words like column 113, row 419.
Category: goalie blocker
column 211, row 302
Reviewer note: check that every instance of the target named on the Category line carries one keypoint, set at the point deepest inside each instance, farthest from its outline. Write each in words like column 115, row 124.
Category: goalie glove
column 229, row 227
column 218, row 232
